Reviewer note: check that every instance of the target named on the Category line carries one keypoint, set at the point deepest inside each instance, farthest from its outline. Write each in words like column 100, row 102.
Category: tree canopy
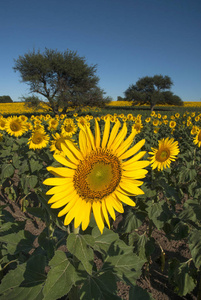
column 63, row 78
column 5, row 99
column 152, row 90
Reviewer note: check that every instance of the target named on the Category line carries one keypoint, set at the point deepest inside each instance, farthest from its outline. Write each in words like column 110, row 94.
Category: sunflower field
column 91, row 202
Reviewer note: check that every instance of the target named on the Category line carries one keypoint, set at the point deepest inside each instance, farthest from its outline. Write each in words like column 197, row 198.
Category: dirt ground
column 156, row 283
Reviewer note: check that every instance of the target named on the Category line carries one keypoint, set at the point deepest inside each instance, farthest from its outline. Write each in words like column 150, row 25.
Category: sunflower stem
column 76, row 230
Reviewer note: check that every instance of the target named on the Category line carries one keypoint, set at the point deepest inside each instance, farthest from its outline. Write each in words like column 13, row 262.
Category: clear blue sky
column 127, row 39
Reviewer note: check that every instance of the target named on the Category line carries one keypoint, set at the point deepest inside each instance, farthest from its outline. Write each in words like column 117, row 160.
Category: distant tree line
column 5, row 99
column 152, row 90
column 64, row 80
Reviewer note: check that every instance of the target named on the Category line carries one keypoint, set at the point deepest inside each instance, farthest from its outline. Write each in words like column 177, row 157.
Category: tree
column 63, row 78
column 152, row 90
column 5, row 99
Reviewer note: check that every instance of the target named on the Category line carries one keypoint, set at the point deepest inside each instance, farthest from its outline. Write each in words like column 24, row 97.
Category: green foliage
column 5, row 99
column 152, row 90
column 63, row 78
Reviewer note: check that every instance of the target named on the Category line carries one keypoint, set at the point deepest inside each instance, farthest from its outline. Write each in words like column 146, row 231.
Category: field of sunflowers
column 100, row 203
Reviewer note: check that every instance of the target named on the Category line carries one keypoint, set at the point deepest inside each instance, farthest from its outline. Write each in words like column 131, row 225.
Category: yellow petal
column 130, row 188
column 96, row 206
column 61, row 195
column 136, row 165
column 113, row 133
column 74, row 150
column 83, row 142
column 133, row 150
column 97, row 134
column 69, row 154
column 79, row 214
column 62, row 160
column 126, row 144
column 120, row 137
column 105, row 214
column 110, row 208
column 90, row 137
column 106, row 133
column 64, row 172
column 70, row 204
column 72, row 212
column 134, row 174
column 117, row 205
column 87, row 215
column 60, row 188
column 134, row 158
column 56, row 181
column 123, row 198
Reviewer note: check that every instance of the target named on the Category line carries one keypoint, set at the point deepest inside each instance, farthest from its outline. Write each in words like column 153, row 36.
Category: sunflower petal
column 133, row 150
column 106, row 133
column 96, row 206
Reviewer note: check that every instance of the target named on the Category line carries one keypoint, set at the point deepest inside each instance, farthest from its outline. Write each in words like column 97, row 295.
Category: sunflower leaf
column 79, row 246
column 60, row 278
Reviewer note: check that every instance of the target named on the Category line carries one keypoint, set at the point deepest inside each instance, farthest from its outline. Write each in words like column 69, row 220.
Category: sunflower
column 68, row 128
column 38, row 140
column 148, row 119
column 98, row 176
column 197, row 139
column 137, row 126
column 56, row 143
column 53, row 124
column 172, row 124
column 2, row 123
column 165, row 154
column 155, row 122
column 15, row 126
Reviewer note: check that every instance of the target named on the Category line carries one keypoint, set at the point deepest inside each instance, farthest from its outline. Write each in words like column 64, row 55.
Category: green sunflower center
column 162, row 155
column 37, row 139
column 97, row 175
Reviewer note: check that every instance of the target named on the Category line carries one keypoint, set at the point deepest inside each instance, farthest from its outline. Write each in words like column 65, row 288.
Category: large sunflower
column 15, row 126
column 165, row 154
column 197, row 139
column 97, row 177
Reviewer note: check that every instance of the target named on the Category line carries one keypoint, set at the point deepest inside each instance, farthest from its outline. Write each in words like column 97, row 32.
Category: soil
column 156, row 282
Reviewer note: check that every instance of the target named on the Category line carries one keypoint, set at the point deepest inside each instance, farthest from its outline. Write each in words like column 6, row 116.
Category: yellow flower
column 197, row 139
column 2, row 123
column 172, row 124
column 177, row 115
column 197, row 118
column 81, row 121
column 155, row 122
column 152, row 114
column 38, row 140
column 137, row 126
column 56, row 143
column 129, row 117
column 14, row 126
column 165, row 154
column 53, row 124
column 159, row 116
column 68, row 127
column 147, row 120
column 194, row 130
column 98, row 176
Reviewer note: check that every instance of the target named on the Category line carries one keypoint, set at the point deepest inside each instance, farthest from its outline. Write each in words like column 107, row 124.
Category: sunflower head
column 15, row 126
column 38, row 140
column 197, row 139
column 165, row 153
column 98, row 176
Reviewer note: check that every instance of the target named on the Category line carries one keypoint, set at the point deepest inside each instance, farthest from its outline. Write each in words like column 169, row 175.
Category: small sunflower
column 165, row 154
column 15, row 126
column 98, row 176
column 38, row 140
column 148, row 119
column 2, row 123
column 53, row 124
column 58, row 139
column 172, row 124
column 68, row 128
column 197, row 139
column 137, row 126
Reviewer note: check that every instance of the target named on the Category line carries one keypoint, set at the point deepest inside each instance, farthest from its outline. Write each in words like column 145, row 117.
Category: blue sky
column 127, row 39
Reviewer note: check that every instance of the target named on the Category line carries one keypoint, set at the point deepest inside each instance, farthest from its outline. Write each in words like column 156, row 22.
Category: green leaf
column 19, row 241
column 15, row 160
column 143, row 246
column 131, row 220
column 35, row 165
column 99, row 287
column 103, row 241
column 138, row 293
column 25, row 282
column 60, row 278
column 79, row 246
column 124, row 263
column 182, row 277
column 7, row 171
column 195, row 246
